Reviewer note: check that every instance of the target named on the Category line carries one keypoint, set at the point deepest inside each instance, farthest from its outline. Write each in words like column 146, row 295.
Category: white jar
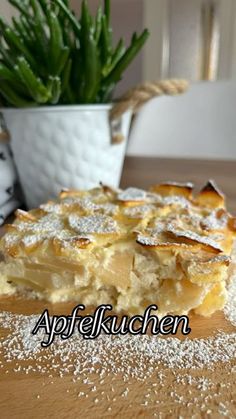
column 65, row 147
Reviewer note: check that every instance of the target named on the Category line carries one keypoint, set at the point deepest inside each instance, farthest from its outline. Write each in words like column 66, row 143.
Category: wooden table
column 143, row 172
column 28, row 397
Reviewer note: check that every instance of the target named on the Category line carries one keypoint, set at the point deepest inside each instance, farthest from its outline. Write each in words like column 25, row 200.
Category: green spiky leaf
column 50, row 56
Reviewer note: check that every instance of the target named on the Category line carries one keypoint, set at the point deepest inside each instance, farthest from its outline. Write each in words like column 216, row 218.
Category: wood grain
column 37, row 396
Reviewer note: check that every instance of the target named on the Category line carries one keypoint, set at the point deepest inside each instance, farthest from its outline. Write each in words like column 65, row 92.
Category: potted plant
column 57, row 77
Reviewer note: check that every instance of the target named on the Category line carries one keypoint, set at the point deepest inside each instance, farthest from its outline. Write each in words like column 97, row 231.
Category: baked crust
column 129, row 248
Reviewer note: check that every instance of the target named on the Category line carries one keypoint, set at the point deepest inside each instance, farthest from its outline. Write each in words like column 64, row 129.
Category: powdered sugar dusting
column 132, row 194
column 103, row 351
column 190, row 365
column 100, row 224
column 212, row 222
column 51, row 207
column 48, row 223
column 176, row 200
column 188, row 185
column 139, row 211
column 31, row 240
column 147, row 240
column 191, row 235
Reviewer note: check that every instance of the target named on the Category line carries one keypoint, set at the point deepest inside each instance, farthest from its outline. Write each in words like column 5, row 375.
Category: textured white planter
column 65, row 146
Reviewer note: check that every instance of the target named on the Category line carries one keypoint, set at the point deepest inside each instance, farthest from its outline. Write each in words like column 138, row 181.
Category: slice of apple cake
column 129, row 248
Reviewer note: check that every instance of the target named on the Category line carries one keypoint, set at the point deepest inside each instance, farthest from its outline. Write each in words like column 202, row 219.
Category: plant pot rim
column 60, row 108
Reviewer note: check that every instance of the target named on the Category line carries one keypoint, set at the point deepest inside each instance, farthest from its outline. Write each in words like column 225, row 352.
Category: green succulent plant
column 48, row 56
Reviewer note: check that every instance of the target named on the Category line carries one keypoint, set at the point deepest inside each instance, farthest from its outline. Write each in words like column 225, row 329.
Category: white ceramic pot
column 65, row 147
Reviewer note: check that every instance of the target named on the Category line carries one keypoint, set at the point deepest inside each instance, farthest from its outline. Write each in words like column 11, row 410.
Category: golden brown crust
column 130, row 247
column 129, row 209
column 211, row 196
column 232, row 223
column 108, row 189
column 24, row 216
column 66, row 193
column 77, row 242
column 173, row 188
column 190, row 238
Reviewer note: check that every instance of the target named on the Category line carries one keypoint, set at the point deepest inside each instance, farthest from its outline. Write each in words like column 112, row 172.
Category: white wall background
column 173, row 48
column 201, row 123
column 6, row 10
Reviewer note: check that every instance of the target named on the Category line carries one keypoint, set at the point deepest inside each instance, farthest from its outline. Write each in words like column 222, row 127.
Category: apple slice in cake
column 129, row 248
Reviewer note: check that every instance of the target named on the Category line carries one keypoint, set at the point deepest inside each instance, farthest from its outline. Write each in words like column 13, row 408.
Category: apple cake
column 129, row 248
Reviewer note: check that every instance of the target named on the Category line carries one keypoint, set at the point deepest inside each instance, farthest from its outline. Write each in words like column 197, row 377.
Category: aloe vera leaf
column 56, row 41
column 65, row 76
column 89, row 79
column 98, row 24
column 77, row 73
column 56, row 31
column 69, row 15
column 134, row 38
column 27, row 25
column 6, row 73
column 64, row 55
column 68, row 89
column 126, row 59
column 92, row 71
column 36, row 10
column 105, row 93
column 84, row 24
column 68, row 38
column 15, row 43
column 13, row 98
column 70, row 95
column 85, row 29
column 37, row 50
column 24, row 34
column 38, row 25
column 62, row 16
column 20, row 29
column 107, row 10
column 119, row 51
column 38, row 47
column 35, row 30
column 55, row 89
column 86, row 21
column 105, row 43
column 6, row 56
column 43, row 4
column 10, row 76
column 34, row 85
column 116, row 56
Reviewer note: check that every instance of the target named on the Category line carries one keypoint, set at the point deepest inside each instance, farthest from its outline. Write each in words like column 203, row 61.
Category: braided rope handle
column 4, row 135
column 135, row 98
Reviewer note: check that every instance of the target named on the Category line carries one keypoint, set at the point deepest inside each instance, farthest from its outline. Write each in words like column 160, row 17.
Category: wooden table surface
column 32, row 397
column 143, row 172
